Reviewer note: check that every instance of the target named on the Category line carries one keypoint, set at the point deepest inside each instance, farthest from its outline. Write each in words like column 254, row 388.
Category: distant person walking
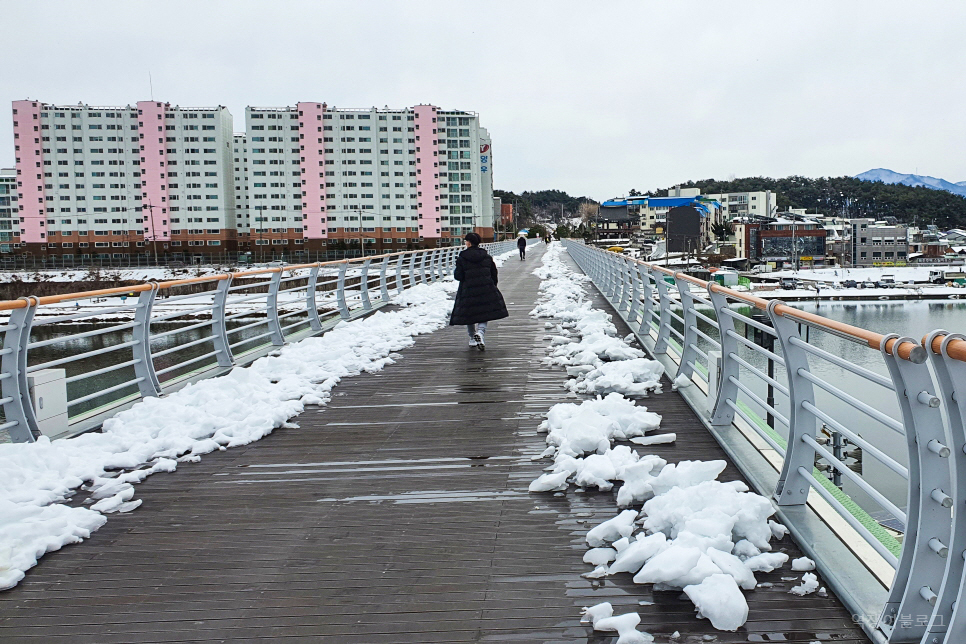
column 522, row 246
column 478, row 300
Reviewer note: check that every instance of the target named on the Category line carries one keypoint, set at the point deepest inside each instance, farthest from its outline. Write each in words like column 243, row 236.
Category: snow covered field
column 677, row 526
column 38, row 511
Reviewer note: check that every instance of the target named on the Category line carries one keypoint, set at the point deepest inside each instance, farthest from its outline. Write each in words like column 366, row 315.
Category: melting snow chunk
column 809, row 585
column 719, row 599
column 803, row 564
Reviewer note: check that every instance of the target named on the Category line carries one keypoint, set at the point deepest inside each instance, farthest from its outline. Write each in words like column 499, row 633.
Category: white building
column 746, row 204
column 8, row 210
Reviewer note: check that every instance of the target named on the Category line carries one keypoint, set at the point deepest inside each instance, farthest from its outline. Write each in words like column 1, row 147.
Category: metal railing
column 163, row 335
column 901, row 592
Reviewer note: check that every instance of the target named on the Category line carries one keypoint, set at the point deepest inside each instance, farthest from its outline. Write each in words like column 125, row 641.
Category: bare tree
column 587, row 211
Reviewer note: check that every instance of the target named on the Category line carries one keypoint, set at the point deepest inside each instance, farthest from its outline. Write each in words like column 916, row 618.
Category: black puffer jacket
column 478, row 299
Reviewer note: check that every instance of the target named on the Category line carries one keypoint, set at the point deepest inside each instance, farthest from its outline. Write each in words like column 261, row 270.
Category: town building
column 876, row 243
column 160, row 180
column 9, row 214
column 783, row 241
column 332, row 180
column 105, row 182
column 746, row 204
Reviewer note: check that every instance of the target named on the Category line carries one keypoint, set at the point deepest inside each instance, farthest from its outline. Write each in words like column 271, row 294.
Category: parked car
column 849, row 284
column 886, row 281
column 866, row 284
column 788, row 283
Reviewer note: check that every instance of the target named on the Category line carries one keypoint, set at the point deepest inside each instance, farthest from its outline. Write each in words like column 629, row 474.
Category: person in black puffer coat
column 478, row 300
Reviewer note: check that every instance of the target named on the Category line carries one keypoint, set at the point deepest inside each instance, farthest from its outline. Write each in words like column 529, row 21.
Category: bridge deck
column 398, row 513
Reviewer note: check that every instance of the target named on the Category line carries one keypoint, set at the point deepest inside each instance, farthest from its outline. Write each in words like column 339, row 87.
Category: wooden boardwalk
column 398, row 513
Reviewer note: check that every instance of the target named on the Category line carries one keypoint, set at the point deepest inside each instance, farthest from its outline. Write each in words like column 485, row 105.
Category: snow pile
column 155, row 435
column 693, row 532
column 585, row 338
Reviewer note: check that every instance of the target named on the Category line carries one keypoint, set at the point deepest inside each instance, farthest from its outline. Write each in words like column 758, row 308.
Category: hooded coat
column 478, row 299
column 521, row 242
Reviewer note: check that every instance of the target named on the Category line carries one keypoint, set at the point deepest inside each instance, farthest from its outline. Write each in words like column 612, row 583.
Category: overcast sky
column 590, row 97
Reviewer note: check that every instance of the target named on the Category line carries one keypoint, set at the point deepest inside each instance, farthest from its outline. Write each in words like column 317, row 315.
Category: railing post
column 648, row 303
column 18, row 410
column 383, row 287
column 412, row 270
column 793, row 488
column 722, row 415
column 364, row 285
column 951, row 382
column 399, row 266
column 310, row 304
column 634, row 306
column 219, row 327
column 340, row 291
column 689, row 356
column 424, row 266
column 922, row 565
column 149, row 386
column 664, row 301
column 624, row 295
column 271, row 309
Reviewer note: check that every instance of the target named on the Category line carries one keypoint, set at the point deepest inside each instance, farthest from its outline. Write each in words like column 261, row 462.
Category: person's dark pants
column 523, row 253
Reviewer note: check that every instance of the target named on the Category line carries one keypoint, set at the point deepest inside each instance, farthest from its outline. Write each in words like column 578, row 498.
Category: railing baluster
column 921, row 569
column 364, row 286
column 664, row 301
column 383, row 287
column 792, row 488
column 722, row 414
column 149, row 386
column 219, row 327
column 399, row 266
column 14, row 363
column 340, row 291
column 951, row 388
column 271, row 309
column 689, row 356
column 315, row 322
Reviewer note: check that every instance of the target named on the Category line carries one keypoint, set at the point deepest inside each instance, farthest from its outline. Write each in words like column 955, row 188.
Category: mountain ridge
column 885, row 175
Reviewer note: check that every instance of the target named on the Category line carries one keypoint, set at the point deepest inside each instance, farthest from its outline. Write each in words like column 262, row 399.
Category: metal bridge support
column 634, row 305
column 913, row 604
column 623, row 295
column 148, row 384
column 412, row 270
column 792, row 488
column 19, row 412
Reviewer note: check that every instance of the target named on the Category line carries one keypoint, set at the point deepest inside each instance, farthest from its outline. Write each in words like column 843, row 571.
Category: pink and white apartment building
column 379, row 178
column 158, row 178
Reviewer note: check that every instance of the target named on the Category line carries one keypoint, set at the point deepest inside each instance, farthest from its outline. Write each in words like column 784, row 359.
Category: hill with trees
column 849, row 197
column 543, row 203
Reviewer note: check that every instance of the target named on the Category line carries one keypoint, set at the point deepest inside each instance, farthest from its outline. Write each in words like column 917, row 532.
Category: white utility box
column 48, row 395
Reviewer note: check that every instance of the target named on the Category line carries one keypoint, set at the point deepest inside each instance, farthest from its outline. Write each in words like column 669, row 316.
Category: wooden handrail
column 906, row 350
column 955, row 349
column 10, row 305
